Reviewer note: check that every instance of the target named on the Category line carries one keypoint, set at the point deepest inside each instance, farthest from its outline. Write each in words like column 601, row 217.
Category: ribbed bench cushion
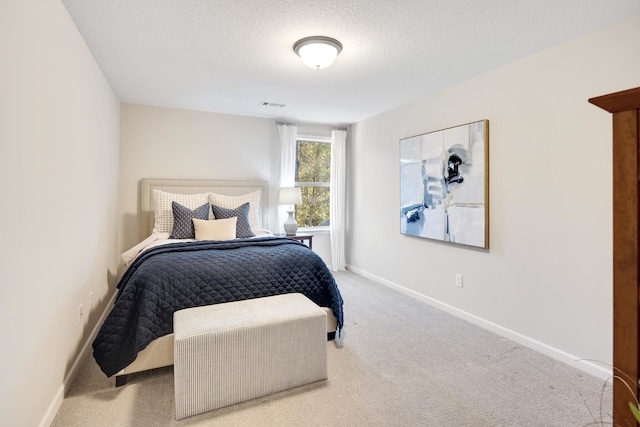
column 233, row 352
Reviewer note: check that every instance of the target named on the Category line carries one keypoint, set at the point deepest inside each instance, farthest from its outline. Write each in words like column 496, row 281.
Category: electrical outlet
column 459, row 280
column 80, row 314
column 90, row 300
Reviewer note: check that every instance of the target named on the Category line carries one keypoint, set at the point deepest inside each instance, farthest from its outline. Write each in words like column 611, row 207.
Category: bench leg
column 121, row 380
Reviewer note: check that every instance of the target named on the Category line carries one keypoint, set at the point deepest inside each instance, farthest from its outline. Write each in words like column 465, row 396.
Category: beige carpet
column 404, row 363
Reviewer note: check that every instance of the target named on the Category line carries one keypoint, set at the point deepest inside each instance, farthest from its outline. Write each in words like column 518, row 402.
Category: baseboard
column 47, row 420
column 590, row 367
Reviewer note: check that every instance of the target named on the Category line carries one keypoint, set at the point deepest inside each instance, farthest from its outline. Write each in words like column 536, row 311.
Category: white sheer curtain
column 338, row 209
column 288, row 135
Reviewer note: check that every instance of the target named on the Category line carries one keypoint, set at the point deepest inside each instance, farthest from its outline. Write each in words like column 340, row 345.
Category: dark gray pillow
column 182, row 220
column 243, row 228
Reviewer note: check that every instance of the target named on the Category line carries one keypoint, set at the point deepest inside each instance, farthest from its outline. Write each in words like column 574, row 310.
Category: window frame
column 322, row 139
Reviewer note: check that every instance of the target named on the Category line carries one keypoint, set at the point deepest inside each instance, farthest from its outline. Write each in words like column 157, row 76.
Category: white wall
column 173, row 143
column 59, row 130
column 547, row 279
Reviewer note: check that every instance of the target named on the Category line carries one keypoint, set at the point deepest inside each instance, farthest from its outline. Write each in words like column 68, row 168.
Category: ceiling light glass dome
column 317, row 51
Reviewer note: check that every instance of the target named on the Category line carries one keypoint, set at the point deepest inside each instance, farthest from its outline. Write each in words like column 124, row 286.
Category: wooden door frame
column 625, row 107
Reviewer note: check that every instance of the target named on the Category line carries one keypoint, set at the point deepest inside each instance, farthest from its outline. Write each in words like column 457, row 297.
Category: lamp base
column 290, row 225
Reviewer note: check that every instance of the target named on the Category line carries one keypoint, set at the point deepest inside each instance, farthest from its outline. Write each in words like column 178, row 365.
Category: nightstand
column 301, row 237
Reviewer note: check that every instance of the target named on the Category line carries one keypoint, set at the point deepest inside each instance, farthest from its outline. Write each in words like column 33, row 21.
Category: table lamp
column 290, row 196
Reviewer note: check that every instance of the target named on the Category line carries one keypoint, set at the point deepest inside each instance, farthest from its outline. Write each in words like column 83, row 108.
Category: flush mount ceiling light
column 317, row 51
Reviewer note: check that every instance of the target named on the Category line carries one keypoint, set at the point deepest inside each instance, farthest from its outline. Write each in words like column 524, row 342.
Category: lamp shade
column 317, row 51
column 290, row 196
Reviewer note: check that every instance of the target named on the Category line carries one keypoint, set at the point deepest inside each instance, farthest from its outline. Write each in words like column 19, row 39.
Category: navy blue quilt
column 175, row 276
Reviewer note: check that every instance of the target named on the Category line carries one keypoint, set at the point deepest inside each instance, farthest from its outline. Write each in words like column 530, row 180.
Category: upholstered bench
column 233, row 352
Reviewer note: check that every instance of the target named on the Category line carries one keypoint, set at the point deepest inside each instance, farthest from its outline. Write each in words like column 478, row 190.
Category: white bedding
column 158, row 239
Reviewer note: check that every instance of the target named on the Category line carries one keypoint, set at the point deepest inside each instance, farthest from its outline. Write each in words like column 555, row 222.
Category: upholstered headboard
column 193, row 186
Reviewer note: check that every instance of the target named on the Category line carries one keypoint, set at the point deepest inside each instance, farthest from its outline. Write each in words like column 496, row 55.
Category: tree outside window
column 313, row 172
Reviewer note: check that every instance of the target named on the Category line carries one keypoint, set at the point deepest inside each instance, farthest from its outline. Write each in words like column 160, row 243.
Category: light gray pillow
column 163, row 215
column 232, row 202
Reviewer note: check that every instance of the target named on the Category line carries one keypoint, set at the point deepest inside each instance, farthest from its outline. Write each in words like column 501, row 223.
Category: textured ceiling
column 228, row 56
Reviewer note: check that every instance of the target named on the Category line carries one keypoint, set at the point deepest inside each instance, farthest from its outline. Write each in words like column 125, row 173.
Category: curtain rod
column 333, row 127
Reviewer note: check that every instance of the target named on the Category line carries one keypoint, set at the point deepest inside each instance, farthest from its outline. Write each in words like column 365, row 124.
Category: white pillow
column 217, row 229
column 163, row 211
column 232, row 202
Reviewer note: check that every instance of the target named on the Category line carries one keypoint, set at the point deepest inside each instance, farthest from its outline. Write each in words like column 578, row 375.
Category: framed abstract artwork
column 444, row 185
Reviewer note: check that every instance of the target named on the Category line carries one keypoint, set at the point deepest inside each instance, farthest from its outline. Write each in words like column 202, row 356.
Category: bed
column 166, row 271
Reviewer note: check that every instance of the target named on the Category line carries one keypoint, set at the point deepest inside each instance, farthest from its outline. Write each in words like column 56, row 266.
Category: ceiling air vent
column 271, row 104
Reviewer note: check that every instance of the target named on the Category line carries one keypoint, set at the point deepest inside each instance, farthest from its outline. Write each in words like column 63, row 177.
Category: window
column 313, row 172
